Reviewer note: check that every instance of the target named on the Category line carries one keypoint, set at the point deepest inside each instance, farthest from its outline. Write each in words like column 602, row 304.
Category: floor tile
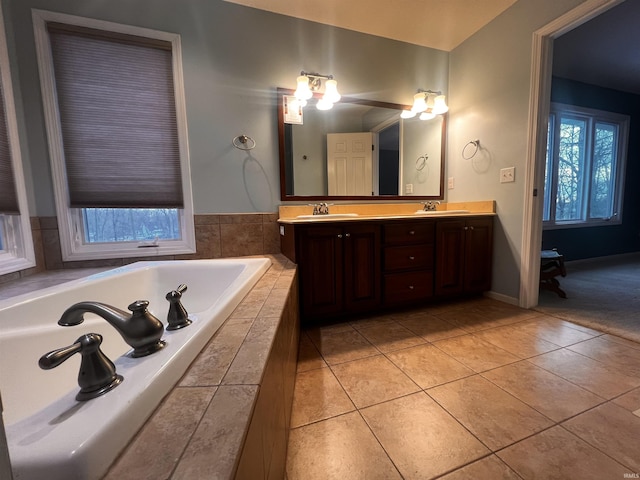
column 318, row 396
column 622, row 341
column 430, row 327
column 489, row 468
column 391, row 336
column 373, row 380
column 420, row 437
column 468, row 320
column 586, row 372
column 552, row 330
column 495, row 417
column 623, row 358
column 475, row 353
column 549, row 394
column 309, row 357
column 556, row 454
column 343, row 346
column 516, row 341
column 502, row 313
column 339, row 448
column 371, row 321
column 429, row 366
column 630, row 401
column 612, row 430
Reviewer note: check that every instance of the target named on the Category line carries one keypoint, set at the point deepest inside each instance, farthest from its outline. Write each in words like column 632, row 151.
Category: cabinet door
column 362, row 266
column 321, row 270
column 478, row 254
column 450, row 253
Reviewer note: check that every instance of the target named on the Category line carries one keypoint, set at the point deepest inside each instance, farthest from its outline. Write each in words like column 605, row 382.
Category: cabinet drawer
column 405, row 233
column 409, row 256
column 411, row 286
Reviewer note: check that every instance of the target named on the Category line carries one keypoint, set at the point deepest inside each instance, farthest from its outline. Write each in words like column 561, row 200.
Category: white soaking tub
column 52, row 435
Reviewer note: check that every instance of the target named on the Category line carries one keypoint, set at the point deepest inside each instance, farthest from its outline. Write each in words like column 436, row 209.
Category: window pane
column 603, row 172
column 571, row 161
column 130, row 224
column 548, row 170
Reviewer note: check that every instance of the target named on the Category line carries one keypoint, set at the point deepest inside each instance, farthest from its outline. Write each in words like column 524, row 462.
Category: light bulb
column 407, row 114
column 427, row 115
column 419, row 104
column 440, row 106
column 331, row 91
column 303, row 92
column 324, row 104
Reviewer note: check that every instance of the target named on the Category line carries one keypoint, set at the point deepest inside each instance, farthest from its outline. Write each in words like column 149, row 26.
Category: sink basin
column 440, row 212
column 327, row 216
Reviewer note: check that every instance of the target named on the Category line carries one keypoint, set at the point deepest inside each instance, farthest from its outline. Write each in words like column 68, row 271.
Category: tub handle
column 177, row 316
column 97, row 374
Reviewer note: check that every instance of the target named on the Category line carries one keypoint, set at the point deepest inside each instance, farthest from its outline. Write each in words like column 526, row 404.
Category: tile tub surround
column 228, row 417
column 217, row 236
column 399, row 395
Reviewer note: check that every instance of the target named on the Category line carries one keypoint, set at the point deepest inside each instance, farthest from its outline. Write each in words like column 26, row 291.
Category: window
column 114, row 106
column 584, row 174
column 16, row 244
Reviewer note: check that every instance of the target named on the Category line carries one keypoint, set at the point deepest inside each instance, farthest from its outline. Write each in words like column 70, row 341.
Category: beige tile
column 343, row 347
column 476, row 353
column 430, row 327
column 549, row 394
column 502, row 313
column 318, row 396
column 309, row 357
column 612, row 430
column 552, row 330
column 420, row 437
column 342, row 447
column 248, row 365
column 241, row 218
column 622, row 341
column 373, row 380
column 468, row 320
column 590, row 374
column 208, row 241
column 274, row 304
column 613, row 354
column 428, row 366
column 391, row 336
column 240, row 239
column 495, row 417
column 556, row 454
column 630, row 401
column 271, row 240
column 488, row 468
column 516, row 341
column 156, row 449
column 371, row 321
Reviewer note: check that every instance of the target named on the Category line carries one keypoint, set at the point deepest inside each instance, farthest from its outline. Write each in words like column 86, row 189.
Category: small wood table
column 552, row 265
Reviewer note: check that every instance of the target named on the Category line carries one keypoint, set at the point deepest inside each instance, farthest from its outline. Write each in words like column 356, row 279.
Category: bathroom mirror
column 317, row 163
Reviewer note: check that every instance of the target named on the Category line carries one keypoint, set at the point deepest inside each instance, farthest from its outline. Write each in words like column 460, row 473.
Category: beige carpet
column 603, row 293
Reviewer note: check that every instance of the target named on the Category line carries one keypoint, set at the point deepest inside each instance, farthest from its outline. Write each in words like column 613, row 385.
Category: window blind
column 117, row 112
column 8, row 196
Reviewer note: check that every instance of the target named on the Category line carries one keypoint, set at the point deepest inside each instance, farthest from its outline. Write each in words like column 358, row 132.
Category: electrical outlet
column 508, row 175
column 450, row 183
column 408, row 188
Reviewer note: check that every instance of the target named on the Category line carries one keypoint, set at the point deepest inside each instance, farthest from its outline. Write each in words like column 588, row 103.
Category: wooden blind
column 117, row 113
column 8, row 196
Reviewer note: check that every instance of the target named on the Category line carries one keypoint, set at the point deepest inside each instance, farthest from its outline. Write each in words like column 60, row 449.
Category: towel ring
column 244, row 142
column 421, row 161
column 476, row 144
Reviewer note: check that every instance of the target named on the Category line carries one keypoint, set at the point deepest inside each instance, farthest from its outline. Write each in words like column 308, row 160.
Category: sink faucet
column 141, row 329
column 321, row 208
column 431, row 205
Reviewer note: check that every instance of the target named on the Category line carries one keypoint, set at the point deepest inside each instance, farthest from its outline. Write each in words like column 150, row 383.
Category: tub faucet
column 141, row 329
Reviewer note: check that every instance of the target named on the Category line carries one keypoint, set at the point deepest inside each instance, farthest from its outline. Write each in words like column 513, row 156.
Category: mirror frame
column 374, row 103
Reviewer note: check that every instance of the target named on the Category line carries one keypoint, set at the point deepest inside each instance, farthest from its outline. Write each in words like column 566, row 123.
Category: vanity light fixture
column 428, row 104
column 308, row 83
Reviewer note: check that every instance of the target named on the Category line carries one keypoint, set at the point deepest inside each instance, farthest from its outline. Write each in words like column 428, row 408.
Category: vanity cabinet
column 407, row 259
column 339, row 268
column 463, row 255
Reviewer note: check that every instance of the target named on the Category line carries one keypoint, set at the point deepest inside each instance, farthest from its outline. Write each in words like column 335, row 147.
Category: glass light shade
column 440, row 106
column 331, row 91
column 430, row 102
column 419, row 104
column 407, row 114
column 427, row 115
column 324, row 104
column 303, row 92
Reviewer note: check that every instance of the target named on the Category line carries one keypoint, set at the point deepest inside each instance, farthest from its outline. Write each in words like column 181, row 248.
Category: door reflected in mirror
column 358, row 150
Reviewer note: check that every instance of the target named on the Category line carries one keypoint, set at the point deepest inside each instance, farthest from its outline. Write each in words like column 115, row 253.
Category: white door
column 350, row 163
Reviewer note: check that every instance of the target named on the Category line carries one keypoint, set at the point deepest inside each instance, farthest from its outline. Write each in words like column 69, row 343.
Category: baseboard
column 608, row 258
column 502, row 298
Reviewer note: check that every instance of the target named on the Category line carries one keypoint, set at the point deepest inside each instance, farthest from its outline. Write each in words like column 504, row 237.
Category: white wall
column 489, row 87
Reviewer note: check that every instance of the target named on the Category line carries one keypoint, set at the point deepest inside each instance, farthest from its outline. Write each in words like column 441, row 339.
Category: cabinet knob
column 347, row 235
column 412, row 232
column 471, row 228
column 339, row 235
column 466, row 228
column 410, row 287
column 411, row 257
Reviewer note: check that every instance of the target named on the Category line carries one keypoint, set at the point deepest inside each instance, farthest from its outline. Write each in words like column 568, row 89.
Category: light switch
column 450, row 183
column 408, row 188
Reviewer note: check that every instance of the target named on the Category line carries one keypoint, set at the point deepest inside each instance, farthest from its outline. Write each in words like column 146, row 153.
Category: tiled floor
column 476, row 389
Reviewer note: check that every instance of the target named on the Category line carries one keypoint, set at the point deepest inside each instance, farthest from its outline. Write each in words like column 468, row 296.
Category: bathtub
column 50, row 434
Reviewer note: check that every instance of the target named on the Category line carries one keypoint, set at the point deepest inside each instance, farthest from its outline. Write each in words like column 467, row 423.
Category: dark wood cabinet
column 463, row 255
column 339, row 266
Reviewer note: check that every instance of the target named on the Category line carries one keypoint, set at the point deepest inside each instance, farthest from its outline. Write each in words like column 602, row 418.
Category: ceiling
column 439, row 24
column 603, row 51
